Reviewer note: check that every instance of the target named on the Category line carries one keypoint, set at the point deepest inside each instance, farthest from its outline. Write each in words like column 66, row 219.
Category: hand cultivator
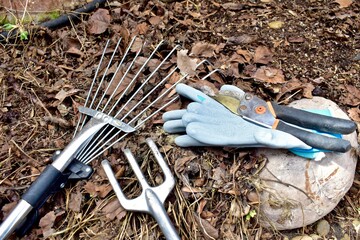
column 151, row 199
column 115, row 106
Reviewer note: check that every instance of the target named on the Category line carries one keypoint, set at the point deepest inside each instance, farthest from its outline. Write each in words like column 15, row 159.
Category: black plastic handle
column 313, row 121
column 47, row 184
column 316, row 140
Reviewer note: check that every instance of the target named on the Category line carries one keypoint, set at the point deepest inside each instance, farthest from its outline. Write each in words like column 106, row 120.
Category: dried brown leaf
column 74, row 51
column 47, row 222
column 269, row 75
column 186, row 64
column 181, row 162
column 57, row 120
column 95, row 190
column 263, row 55
column 344, row 3
column 99, row 21
column 242, row 39
column 218, row 176
column 142, row 28
column 206, row 228
column 244, row 56
column 155, row 20
column 233, row 6
column 137, row 45
column 7, row 208
column 75, row 201
column 204, row 49
column 114, row 210
column 354, row 114
column 307, row 90
column 117, row 79
column 352, row 97
column 296, row 39
column 62, row 94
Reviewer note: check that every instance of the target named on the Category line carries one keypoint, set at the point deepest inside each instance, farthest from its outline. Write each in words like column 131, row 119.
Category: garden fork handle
column 157, row 210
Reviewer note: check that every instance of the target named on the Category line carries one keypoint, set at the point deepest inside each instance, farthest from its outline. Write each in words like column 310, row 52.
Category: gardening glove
column 206, row 122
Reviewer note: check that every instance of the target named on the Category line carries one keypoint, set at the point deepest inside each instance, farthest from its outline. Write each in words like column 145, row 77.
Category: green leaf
column 9, row 26
column 24, row 35
column 250, row 215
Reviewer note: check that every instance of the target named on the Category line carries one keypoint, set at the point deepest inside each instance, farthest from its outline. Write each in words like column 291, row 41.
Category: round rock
column 297, row 191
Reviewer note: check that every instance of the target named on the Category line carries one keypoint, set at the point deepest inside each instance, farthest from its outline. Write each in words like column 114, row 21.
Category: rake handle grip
column 157, row 210
column 25, row 213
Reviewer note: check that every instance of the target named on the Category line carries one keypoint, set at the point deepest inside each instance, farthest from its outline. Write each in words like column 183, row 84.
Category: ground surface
column 280, row 50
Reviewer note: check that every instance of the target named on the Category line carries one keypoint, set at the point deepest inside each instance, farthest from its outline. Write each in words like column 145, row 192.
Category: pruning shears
column 299, row 123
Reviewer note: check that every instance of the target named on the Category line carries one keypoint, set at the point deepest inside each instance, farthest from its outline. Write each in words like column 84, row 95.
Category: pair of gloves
column 206, row 122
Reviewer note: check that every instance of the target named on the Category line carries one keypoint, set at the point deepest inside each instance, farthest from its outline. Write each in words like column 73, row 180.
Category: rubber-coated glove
column 206, row 122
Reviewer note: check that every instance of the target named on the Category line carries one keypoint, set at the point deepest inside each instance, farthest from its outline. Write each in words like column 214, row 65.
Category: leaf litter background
column 279, row 50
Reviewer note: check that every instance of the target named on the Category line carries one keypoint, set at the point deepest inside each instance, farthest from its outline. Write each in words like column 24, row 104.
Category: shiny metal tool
column 125, row 92
column 151, row 199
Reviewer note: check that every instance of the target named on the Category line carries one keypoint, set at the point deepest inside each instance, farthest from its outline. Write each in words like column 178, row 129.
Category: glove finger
column 194, row 94
column 187, row 141
column 174, row 126
column 173, row 115
column 190, row 117
column 224, row 134
column 219, row 111
column 279, row 139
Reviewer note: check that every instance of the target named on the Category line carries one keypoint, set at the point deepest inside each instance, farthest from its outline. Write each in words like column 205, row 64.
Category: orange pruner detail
column 260, row 110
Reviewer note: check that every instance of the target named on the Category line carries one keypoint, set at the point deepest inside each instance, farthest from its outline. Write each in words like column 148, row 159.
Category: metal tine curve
column 162, row 190
column 135, row 77
column 90, row 90
column 81, row 155
column 96, row 151
column 114, row 75
column 95, row 148
column 129, row 204
column 112, row 95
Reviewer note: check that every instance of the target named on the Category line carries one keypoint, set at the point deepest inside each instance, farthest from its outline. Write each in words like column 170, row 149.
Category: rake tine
column 95, row 152
column 98, row 153
column 147, row 80
column 90, row 90
column 116, row 71
column 135, row 77
column 92, row 149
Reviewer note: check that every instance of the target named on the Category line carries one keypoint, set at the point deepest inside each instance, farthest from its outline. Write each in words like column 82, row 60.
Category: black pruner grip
column 315, row 140
column 314, row 121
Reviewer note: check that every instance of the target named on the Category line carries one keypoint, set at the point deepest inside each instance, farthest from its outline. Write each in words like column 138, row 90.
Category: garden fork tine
column 151, row 199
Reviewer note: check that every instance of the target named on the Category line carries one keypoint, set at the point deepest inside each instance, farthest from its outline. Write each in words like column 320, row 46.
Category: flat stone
column 323, row 227
column 296, row 191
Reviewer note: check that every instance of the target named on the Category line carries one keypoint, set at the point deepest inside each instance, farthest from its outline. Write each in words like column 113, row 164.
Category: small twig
column 286, row 184
column 36, row 164
column 40, row 103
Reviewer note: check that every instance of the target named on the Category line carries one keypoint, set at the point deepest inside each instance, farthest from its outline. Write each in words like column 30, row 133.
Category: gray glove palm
column 208, row 123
